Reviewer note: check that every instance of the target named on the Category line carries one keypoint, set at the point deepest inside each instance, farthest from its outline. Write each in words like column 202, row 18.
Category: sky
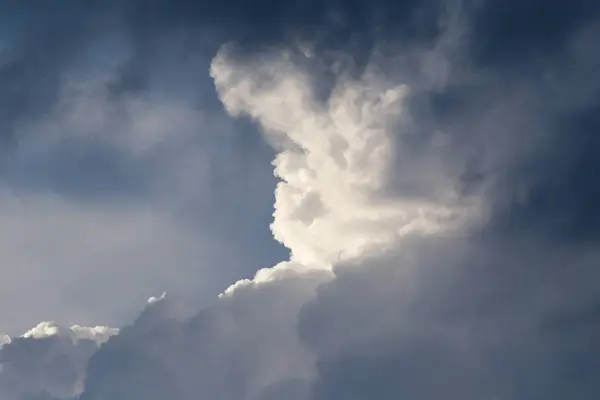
column 304, row 200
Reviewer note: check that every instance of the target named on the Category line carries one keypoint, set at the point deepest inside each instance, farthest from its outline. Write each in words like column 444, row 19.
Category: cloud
column 334, row 160
column 470, row 319
column 231, row 349
column 4, row 339
column 98, row 334
column 49, row 359
column 461, row 311
column 434, row 200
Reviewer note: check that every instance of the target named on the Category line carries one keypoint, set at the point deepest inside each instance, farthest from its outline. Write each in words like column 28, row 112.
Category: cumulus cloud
column 49, row 360
column 246, row 345
column 98, row 334
column 429, row 201
column 334, row 159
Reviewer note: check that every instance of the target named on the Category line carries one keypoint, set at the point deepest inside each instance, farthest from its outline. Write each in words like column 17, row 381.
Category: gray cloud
column 475, row 315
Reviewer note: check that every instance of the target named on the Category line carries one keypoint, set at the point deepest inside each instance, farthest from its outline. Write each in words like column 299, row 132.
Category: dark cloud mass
column 436, row 193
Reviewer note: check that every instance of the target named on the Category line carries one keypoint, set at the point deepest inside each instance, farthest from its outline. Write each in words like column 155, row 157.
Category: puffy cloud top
column 334, row 160
column 98, row 334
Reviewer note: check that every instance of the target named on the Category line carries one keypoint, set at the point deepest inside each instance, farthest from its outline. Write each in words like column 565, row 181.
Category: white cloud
column 331, row 207
column 334, row 159
column 98, row 334
column 386, row 294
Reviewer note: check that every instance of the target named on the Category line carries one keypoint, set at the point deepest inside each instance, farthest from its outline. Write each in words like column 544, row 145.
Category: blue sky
column 341, row 199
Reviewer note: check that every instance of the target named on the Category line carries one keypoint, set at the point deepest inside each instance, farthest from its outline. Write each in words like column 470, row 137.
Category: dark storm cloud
column 561, row 196
column 38, row 41
column 514, row 32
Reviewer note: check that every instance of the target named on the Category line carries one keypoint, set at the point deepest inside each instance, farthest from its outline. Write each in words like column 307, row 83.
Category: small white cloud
column 153, row 299
column 98, row 334
column 45, row 329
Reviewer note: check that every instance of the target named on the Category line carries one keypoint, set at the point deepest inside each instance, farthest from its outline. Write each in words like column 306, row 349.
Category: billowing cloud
column 334, row 160
column 231, row 349
column 443, row 308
